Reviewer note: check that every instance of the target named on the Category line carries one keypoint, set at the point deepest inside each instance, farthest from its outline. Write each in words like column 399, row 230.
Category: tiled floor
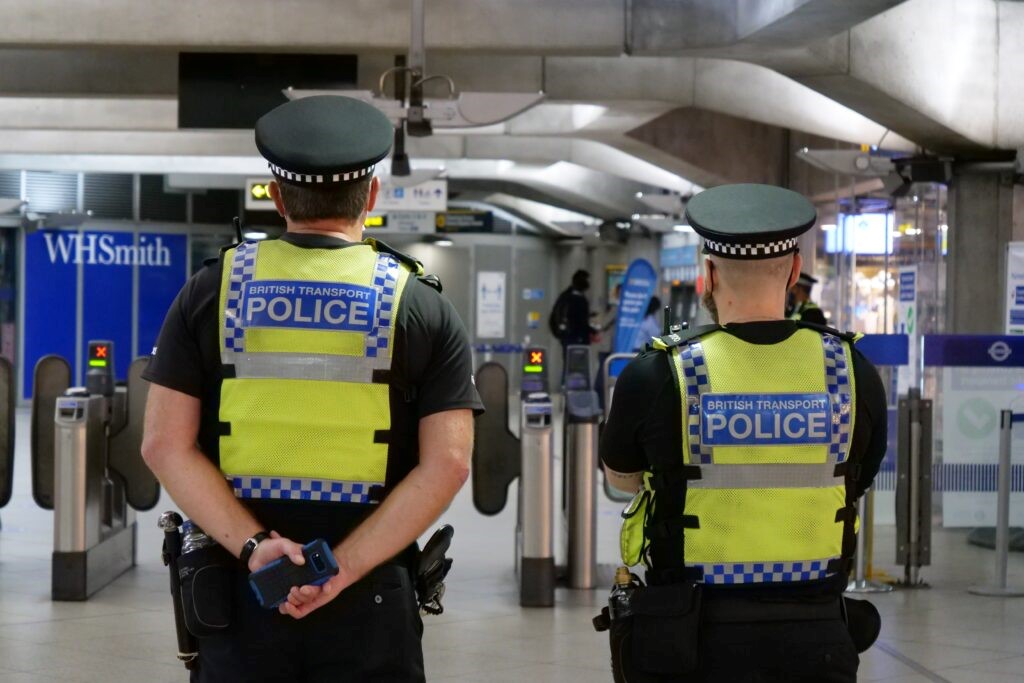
column 125, row 632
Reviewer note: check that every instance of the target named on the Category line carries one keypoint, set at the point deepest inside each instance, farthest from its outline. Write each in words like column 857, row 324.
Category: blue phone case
column 272, row 582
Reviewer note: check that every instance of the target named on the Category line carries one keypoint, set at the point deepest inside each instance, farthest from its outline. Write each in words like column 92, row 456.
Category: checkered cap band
column 323, row 490
column 763, row 250
column 320, row 179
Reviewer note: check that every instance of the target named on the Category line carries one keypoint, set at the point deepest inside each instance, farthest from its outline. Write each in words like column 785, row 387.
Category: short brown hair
column 346, row 201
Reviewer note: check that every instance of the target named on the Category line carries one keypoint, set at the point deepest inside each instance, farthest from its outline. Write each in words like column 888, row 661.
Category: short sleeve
column 177, row 360
column 643, row 415
column 444, row 379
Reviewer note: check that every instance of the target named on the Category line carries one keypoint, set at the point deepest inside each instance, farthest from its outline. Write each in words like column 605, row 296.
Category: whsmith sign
column 104, row 250
column 93, row 284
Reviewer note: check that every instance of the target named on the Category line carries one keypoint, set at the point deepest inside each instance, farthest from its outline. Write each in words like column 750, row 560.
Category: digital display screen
column 376, row 222
column 861, row 234
column 99, row 355
column 260, row 191
column 533, row 362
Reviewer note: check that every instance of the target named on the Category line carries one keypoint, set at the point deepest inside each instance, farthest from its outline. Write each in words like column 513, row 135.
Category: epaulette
column 674, row 339
column 431, row 281
column 850, row 337
column 415, row 266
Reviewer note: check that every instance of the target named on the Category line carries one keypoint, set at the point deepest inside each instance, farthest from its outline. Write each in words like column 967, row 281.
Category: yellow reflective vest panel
column 771, row 448
column 306, row 342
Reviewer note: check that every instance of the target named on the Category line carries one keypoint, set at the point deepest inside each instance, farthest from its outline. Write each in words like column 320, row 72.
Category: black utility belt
column 731, row 610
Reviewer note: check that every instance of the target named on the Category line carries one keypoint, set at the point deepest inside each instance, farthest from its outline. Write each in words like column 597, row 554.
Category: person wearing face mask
column 748, row 443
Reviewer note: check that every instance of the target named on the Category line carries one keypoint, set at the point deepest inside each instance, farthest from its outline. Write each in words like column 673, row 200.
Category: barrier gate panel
column 7, row 403
column 496, row 457
column 125, row 456
column 52, row 377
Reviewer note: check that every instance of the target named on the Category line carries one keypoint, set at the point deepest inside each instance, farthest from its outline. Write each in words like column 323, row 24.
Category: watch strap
column 249, row 547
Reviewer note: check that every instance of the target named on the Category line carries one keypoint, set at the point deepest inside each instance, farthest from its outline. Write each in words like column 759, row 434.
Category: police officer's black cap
column 750, row 221
column 323, row 139
column 806, row 280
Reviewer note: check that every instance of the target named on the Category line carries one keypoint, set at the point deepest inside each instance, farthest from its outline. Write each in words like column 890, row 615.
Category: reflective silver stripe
column 311, row 366
column 767, row 476
column 292, row 488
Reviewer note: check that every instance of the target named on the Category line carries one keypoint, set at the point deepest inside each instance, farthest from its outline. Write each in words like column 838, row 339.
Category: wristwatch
column 249, row 547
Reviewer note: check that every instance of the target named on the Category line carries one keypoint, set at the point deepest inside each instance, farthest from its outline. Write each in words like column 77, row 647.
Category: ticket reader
column 88, row 468
column 535, row 528
column 579, row 500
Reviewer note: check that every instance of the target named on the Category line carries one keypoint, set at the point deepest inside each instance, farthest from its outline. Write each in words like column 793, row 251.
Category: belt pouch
column 206, row 577
column 666, row 628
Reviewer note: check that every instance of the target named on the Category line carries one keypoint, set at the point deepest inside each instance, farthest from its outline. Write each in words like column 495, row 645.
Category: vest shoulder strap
column 670, row 341
column 408, row 261
column 850, row 337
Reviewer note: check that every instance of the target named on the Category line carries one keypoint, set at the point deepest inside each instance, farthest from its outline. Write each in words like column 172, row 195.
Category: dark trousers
column 370, row 632
column 782, row 651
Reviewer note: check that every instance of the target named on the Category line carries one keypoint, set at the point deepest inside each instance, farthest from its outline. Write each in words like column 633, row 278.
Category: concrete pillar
column 981, row 222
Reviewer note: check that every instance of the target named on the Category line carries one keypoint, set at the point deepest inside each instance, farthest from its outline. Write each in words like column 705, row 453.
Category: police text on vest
column 764, row 419
column 308, row 305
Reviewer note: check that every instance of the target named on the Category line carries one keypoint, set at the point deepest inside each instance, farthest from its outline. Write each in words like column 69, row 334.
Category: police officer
column 800, row 306
column 755, row 436
column 310, row 387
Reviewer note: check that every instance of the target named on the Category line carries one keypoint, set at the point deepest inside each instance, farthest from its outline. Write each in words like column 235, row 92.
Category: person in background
column 799, row 303
column 650, row 326
column 570, row 316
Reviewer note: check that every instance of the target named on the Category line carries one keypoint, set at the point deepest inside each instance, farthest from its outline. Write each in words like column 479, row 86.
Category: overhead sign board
column 465, row 221
column 257, row 194
column 429, row 196
column 416, row 222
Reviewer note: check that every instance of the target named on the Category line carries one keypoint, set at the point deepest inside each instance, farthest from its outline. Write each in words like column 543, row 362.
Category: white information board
column 490, row 304
column 971, row 401
column 906, row 323
column 429, row 196
column 1015, row 288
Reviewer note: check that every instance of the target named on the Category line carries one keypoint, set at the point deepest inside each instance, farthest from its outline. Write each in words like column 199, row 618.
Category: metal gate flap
column 496, row 458
column 125, row 456
column 51, row 379
column 7, row 403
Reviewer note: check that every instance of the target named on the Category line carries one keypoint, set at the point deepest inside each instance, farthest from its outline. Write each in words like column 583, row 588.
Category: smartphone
column 272, row 582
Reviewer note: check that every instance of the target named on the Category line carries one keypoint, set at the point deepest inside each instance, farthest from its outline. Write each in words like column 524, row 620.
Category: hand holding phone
column 271, row 583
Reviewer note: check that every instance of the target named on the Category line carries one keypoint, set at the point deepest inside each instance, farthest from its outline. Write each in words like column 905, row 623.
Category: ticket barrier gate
column 611, row 369
column 7, row 404
column 87, row 467
column 579, row 481
column 499, row 457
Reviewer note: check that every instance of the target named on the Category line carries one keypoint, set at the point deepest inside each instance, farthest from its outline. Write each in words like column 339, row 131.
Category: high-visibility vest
column 306, row 341
column 766, row 439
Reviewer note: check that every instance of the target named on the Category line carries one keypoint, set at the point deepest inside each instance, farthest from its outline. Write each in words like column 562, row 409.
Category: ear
column 275, row 194
column 371, row 200
column 794, row 273
column 709, row 275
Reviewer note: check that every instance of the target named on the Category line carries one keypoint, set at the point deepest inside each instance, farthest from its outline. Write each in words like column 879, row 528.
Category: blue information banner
column 51, row 294
column 908, row 285
column 159, row 283
column 885, row 349
column 637, row 289
column 764, row 419
column 973, row 350
column 107, row 297
column 106, row 264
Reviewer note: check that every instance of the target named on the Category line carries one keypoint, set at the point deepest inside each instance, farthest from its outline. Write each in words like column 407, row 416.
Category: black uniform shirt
column 645, row 415
column 431, row 356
